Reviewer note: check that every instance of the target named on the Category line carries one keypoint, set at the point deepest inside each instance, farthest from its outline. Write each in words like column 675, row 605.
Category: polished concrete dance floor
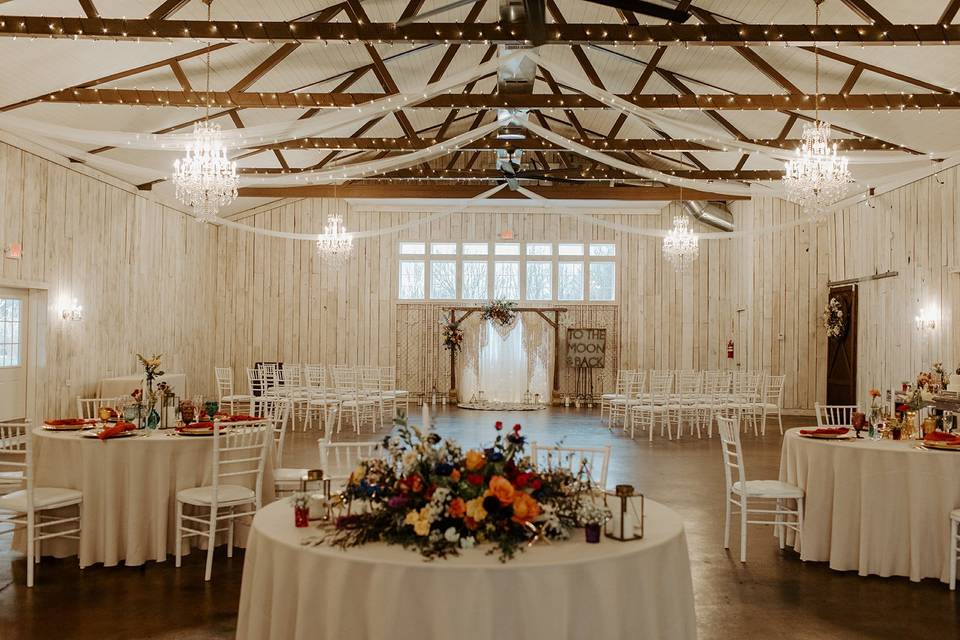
column 774, row 595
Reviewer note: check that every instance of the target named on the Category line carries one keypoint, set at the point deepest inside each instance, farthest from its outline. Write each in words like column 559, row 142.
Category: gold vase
column 929, row 426
column 909, row 426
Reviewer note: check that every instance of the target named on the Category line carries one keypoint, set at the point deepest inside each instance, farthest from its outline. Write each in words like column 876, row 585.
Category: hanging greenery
column 452, row 336
column 501, row 312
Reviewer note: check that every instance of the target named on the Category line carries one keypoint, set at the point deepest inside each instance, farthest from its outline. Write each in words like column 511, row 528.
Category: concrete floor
column 774, row 595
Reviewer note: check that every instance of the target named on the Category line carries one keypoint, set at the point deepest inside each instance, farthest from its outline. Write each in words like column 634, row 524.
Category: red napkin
column 115, row 430
column 197, row 425
column 65, row 422
column 940, row 436
column 826, row 431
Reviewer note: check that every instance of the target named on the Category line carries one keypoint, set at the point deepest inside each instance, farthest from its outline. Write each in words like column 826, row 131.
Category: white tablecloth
column 879, row 507
column 568, row 590
column 129, row 490
column 124, row 385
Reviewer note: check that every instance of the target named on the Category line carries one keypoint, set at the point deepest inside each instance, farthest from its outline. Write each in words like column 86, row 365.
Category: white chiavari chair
column 834, row 415
column 772, row 401
column 276, row 411
column 90, row 407
column 388, row 388
column 633, row 385
column 352, row 400
column 654, row 406
column 619, row 392
column 226, row 394
column 685, row 404
column 746, row 395
column 716, row 392
column 257, row 386
column 954, row 546
column 28, row 508
column 370, row 389
column 268, row 377
column 740, row 491
column 339, row 459
column 595, row 460
column 239, row 455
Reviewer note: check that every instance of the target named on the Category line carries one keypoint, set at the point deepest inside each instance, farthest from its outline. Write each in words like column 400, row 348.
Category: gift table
column 879, row 507
column 569, row 589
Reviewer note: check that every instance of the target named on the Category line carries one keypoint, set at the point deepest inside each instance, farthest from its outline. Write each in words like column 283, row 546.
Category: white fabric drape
column 504, row 368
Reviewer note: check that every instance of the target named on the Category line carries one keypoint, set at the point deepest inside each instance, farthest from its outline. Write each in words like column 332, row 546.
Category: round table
column 570, row 589
column 879, row 507
column 129, row 490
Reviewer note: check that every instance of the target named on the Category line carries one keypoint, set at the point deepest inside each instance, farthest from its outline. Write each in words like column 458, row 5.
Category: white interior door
column 13, row 354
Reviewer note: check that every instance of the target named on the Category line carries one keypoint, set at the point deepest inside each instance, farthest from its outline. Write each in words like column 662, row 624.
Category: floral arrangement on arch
column 500, row 311
column 431, row 496
column 452, row 335
column 834, row 319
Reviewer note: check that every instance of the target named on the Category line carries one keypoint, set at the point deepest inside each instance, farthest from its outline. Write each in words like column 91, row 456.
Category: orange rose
column 457, row 508
column 501, row 488
column 525, row 508
column 455, row 475
column 475, row 460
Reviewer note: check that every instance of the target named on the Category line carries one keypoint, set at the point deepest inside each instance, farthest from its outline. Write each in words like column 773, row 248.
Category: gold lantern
column 627, row 508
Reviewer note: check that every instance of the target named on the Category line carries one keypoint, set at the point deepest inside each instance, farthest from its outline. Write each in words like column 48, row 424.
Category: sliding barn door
column 842, row 352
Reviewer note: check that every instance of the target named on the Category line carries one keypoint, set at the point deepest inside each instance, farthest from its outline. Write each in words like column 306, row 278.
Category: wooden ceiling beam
column 866, row 11
column 571, row 173
column 533, row 143
column 555, row 192
column 683, row 35
column 567, row 101
column 949, row 12
column 851, row 80
column 180, row 75
column 167, row 9
column 89, row 9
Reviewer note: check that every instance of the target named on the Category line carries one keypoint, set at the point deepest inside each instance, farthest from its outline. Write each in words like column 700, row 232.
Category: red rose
column 516, row 428
column 521, row 480
column 498, row 426
column 535, row 484
column 475, row 479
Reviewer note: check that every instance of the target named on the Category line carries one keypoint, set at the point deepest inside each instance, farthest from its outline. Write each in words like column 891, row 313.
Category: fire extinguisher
column 730, row 349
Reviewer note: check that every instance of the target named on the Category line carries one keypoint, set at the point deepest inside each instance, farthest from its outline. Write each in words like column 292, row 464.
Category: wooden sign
column 586, row 347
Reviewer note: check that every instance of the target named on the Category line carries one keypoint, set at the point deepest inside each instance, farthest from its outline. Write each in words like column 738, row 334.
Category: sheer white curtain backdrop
column 503, row 368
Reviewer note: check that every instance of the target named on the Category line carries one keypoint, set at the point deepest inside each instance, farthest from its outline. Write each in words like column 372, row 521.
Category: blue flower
column 443, row 469
column 496, row 456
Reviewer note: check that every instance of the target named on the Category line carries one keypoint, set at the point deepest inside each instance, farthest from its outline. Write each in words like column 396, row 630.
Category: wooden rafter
column 89, row 9
column 565, row 101
column 467, row 172
column 866, row 11
column 851, row 80
column 711, row 113
column 949, row 12
column 167, row 9
column 685, row 35
column 560, row 192
column 181, row 76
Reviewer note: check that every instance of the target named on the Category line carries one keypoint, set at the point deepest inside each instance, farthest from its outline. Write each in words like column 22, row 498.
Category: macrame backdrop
column 423, row 364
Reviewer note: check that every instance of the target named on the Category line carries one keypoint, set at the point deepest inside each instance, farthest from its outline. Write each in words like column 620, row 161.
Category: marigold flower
column 455, row 475
column 457, row 508
column 525, row 508
column 874, row 393
column 475, row 460
column 501, row 489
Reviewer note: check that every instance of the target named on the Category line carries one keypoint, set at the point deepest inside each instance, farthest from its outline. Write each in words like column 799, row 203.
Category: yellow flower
column 475, row 510
column 525, row 508
column 422, row 528
column 475, row 460
column 358, row 474
column 412, row 517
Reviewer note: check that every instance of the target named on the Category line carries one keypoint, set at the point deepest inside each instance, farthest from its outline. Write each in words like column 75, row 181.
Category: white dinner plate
column 93, row 434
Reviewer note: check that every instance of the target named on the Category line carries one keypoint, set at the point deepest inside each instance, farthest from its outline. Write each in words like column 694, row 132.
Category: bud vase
column 301, row 517
column 592, row 532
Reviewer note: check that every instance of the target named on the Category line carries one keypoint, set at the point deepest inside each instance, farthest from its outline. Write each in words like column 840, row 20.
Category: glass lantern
column 627, row 508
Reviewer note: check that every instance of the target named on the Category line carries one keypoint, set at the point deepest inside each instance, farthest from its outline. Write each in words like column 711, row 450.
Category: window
column 506, row 281
column 602, row 283
column 570, row 281
column 539, row 249
column 443, row 248
column 539, row 280
column 475, row 248
column 412, row 248
column 476, row 271
column 474, row 281
column 411, row 279
column 603, row 250
column 443, row 279
column 9, row 332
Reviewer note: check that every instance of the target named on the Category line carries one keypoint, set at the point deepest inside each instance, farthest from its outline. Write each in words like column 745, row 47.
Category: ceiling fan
column 535, row 17
column 512, row 173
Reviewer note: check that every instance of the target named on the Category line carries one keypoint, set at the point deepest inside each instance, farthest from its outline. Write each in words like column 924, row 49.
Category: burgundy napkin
column 826, row 431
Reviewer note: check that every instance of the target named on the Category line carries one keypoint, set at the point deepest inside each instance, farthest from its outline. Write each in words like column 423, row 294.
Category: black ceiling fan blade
column 647, row 9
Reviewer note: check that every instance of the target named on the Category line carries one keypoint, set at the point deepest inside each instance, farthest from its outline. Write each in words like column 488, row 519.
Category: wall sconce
column 72, row 312
column 926, row 319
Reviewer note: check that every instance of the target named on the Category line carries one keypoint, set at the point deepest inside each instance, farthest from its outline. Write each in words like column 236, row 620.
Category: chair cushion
column 768, row 489
column 288, row 475
column 226, row 494
column 43, row 498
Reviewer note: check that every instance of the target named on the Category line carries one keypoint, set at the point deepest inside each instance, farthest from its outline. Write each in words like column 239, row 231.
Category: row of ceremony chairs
column 672, row 400
column 365, row 396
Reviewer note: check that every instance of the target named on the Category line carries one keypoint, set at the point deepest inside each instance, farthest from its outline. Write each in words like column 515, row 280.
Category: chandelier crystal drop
column 205, row 177
column 335, row 245
column 817, row 177
column 681, row 246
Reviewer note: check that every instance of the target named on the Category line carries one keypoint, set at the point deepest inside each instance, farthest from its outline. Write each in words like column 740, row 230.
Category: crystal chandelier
column 817, row 176
column 680, row 246
column 335, row 245
column 205, row 177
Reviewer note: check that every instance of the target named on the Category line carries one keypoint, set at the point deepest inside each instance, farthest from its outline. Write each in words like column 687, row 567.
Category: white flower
column 451, row 535
column 468, row 542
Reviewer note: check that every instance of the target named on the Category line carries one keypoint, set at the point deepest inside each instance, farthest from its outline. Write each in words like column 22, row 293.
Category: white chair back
column 773, row 390
column 15, row 457
column 733, row 469
column 661, row 383
column 834, row 415
column 239, row 455
column 90, row 407
column 689, row 383
column 256, row 382
column 268, row 375
column 289, row 375
column 224, row 376
column 276, row 411
column 339, row 459
column 314, row 377
column 596, row 460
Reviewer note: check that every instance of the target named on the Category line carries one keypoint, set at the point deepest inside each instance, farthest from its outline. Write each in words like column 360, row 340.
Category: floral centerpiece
column 834, row 319
column 876, row 409
column 501, row 312
column 151, row 371
column 431, row 496
column 940, row 375
column 452, row 336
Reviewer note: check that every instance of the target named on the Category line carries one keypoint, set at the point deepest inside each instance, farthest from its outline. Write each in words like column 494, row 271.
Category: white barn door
column 13, row 354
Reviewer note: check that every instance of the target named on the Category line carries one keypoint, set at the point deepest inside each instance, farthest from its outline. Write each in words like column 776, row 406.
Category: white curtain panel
column 503, row 369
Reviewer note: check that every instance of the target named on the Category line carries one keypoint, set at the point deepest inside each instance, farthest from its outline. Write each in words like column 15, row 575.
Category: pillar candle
column 426, row 417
